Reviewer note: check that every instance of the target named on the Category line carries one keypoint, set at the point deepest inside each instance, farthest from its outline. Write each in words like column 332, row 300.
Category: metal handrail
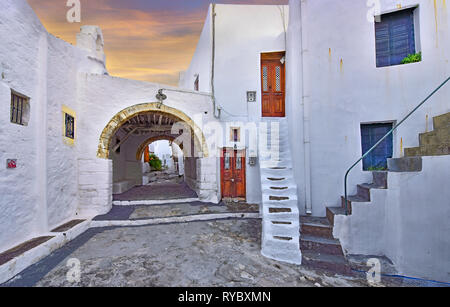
column 382, row 139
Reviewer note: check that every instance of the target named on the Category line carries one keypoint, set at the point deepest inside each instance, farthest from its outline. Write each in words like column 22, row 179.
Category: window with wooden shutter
column 370, row 135
column 395, row 37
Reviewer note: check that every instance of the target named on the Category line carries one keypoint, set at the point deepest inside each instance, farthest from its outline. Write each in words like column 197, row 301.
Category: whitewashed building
column 277, row 103
column 344, row 90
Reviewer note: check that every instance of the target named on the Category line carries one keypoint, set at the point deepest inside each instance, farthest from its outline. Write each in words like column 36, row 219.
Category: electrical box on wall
column 252, row 161
column 251, row 96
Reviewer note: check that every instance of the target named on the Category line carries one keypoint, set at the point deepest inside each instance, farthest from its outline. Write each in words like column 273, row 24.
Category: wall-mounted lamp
column 160, row 97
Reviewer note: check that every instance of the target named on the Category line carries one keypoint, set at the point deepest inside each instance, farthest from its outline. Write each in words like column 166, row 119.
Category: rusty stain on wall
column 401, row 147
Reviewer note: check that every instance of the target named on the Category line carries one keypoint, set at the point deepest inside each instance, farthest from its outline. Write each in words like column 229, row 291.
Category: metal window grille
column 17, row 108
column 278, row 78
column 265, row 79
column 70, row 126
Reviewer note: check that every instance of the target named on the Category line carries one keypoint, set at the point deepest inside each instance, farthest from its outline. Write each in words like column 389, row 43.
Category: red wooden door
column 233, row 174
column 273, row 84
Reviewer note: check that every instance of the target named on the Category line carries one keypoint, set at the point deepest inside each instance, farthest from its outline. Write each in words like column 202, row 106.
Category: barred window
column 19, row 109
column 70, row 126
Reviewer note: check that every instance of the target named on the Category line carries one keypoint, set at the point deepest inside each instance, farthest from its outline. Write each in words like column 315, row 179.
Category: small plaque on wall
column 11, row 163
column 251, row 96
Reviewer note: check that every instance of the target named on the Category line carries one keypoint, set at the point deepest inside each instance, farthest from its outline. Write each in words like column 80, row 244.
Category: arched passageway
column 128, row 134
column 163, row 160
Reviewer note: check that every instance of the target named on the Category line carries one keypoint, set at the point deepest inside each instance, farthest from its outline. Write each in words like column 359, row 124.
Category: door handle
column 232, row 180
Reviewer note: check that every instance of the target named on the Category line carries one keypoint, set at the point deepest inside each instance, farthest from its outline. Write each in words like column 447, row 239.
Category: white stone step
column 286, row 251
column 276, row 172
column 268, row 190
column 289, row 216
column 276, row 164
column 278, row 180
column 266, row 199
column 274, row 154
column 280, row 240
column 281, row 229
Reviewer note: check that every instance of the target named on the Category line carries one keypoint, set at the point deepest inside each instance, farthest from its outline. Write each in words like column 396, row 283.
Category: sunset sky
column 150, row 40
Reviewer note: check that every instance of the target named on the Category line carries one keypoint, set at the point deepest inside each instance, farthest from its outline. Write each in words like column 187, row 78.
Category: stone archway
column 142, row 147
column 123, row 116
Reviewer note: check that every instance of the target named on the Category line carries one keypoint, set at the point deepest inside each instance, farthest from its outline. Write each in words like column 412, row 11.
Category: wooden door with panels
column 233, row 174
column 273, row 84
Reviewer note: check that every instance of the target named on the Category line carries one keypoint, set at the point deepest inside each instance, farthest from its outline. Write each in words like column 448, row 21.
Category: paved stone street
column 218, row 253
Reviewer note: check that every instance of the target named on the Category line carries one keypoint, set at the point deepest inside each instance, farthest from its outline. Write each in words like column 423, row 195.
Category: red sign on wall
column 11, row 163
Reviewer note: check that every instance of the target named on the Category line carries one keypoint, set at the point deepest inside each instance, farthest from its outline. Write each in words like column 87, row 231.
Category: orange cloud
column 148, row 45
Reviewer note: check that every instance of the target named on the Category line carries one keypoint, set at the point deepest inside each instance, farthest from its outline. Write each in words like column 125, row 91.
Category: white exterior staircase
column 281, row 220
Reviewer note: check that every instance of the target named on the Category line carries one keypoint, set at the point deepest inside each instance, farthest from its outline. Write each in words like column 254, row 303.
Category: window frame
column 414, row 48
column 68, row 140
column 23, row 110
column 69, row 123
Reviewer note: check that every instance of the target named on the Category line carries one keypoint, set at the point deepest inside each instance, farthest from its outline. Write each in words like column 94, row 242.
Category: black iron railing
column 383, row 138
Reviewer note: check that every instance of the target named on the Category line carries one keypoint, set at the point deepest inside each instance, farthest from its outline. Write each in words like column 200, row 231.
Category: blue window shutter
column 382, row 42
column 395, row 37
column 370, row 135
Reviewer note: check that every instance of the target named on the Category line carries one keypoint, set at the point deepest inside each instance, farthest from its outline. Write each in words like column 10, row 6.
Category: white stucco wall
column 42, row 192
column 340, row 97
column 201, row 61
column 408, row 222
column 19, row 71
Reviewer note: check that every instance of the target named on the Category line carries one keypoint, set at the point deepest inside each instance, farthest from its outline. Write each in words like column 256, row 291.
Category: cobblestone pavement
column 157, row 191
column 138, row 212
column 218, row 253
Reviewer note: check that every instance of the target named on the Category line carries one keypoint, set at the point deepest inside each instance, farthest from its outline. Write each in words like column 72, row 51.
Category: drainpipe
column 213, row 58
column 41, row 139
column 297, row 5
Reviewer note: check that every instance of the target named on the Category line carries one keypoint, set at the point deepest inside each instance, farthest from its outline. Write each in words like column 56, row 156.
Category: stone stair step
column 276, row 164
column 309, row 219
column 283, row 183
column 413, row 152
column 380, row 179
column 436, row 137
column 280, row 192
column 429, row 150
column 327, row 262
column 275, row 172
column 279, row 200
column 316, row 227
column 280, row 212
column 441, row 121
column 406, row 164
column 277, row 229
column 282, row 250
column 321, row 245
column 278, row 186
column 333, row 211
column 364, row 190
column 353, row 199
